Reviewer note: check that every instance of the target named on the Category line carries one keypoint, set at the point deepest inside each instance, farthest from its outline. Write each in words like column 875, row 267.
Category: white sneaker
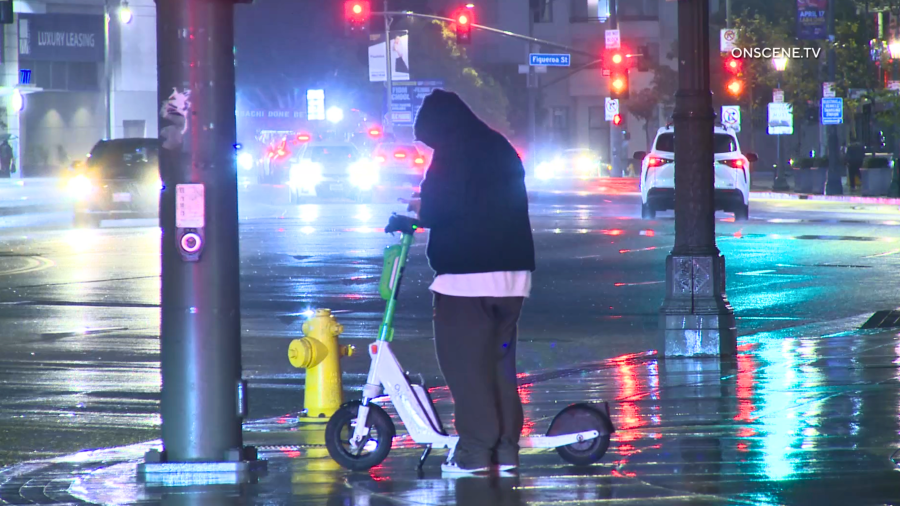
column 452, row 467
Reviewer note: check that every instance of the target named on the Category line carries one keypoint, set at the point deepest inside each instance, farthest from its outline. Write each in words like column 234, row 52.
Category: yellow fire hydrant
column 319, row 353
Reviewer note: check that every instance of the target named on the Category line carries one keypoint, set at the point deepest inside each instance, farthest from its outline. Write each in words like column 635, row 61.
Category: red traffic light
column 463, row 19
column 735, row 86
column 617, row 119
column 357, row 10
column 617, row 58
column 733, row 65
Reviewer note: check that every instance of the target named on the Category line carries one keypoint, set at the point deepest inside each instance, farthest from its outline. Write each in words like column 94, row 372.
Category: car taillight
column 735, row 163
column 420, row 161
column 655, row 161
column 399, row 154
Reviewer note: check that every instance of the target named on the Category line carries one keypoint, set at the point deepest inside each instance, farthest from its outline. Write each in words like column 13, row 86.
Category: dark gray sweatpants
column 475, row 338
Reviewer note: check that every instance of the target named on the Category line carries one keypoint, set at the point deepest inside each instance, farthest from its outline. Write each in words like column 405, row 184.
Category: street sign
column 549, row 60
column 731, row 117
column 778, row 96
column 832, row 111
column 25, row 77
column 612, row 39
column 828, row 90
column 781, row 119
column 612, row 108
column 727, row 40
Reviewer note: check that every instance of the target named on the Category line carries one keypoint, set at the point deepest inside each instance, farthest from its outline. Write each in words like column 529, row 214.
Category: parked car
column 732, row 174
column 120, row 179
column 332, row 169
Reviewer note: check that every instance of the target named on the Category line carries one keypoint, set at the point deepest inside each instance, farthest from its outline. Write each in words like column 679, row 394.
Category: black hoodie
column 473, row 196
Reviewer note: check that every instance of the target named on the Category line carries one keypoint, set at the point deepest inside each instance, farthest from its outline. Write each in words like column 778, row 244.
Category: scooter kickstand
column 422, row 459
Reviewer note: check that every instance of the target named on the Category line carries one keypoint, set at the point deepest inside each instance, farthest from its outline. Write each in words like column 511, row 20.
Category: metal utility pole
column 107, row 68
column 388, row 78
column 833, row 185
column 531, row 86
column 203, row 397
column 696, row 318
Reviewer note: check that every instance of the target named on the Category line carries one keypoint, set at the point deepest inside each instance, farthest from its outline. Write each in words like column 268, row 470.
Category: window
column 722, row 143
column 124, row 158
column 63, row 76
column 638, row 9
column 542, row 10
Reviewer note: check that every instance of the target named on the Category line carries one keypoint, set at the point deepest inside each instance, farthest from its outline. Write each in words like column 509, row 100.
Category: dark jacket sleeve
column 443, row 193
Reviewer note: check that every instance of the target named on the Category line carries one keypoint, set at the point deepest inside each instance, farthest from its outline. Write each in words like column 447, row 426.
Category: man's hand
column 414, row 204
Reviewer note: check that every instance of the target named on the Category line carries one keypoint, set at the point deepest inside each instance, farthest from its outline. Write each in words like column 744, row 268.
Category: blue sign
column 832, row 111
column 25, row 77
column 61, row 37
column 549, row 60
column 407, row 97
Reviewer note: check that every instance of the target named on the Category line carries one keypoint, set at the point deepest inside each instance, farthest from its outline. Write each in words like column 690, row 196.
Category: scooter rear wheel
column 339, row 431
column 580, row 418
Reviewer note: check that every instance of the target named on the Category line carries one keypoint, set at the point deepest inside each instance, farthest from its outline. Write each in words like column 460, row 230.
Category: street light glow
column 17, row 101
column 894, row 48
column 125, row 14
column 779, row 63
column 334, row 115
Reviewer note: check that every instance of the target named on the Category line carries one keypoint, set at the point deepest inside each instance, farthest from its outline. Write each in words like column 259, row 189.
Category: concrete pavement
column 798, row 418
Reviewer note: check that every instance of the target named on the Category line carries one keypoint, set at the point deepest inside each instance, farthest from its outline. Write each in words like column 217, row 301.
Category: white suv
column 732, row 187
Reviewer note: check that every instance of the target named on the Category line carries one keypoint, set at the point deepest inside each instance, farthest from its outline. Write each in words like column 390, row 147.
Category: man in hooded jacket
column 474, row 202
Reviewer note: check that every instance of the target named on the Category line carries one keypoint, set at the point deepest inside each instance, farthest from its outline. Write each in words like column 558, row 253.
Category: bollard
column 319, row 353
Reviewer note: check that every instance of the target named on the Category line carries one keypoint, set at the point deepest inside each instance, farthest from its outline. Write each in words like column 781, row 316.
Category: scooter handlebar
column 402, row 224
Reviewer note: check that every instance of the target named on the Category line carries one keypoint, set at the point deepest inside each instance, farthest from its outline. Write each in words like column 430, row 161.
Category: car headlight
column 306, row 174
column 80, row 186
column 245, row 161
column 584, row 164
column 547, row 170
column 363, row 174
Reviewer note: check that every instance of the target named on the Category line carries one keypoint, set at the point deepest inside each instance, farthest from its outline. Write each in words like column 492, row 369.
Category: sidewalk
column 799, row 418
column 761, row 189
column 32, row 195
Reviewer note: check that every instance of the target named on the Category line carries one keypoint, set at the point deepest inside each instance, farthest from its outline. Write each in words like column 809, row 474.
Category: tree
column 661, row 92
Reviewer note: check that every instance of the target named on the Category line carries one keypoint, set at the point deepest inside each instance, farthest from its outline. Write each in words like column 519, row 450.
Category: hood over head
column 444, row 118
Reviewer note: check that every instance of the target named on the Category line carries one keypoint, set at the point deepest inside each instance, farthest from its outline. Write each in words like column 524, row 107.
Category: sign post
column 612, row 108
column 727, row 40
column 612, row 39
column 731, row 117
column 832, row 111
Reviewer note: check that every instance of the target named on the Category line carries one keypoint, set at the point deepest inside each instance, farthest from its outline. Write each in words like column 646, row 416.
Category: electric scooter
column 359, row 435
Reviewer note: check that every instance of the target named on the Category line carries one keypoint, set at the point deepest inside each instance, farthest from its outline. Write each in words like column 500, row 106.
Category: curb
column 6, row 211
column 847, row 199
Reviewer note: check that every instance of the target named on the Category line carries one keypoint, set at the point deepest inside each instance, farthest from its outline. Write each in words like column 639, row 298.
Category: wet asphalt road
column 79, row 308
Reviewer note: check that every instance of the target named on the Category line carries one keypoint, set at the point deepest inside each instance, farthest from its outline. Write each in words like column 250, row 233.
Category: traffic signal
column 734, row 68
column 464, row 22
column 356, row 17
column 618, row 120
column 618, row 84
column 643, row 58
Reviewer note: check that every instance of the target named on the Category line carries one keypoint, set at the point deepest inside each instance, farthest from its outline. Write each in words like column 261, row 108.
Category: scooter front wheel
column 580, row 418
column 373, row 451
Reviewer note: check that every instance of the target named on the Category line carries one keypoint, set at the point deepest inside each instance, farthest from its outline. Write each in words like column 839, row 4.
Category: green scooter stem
column 386, row 331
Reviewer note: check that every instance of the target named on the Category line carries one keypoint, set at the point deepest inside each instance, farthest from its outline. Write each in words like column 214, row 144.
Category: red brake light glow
column 303, row 138
column 420, row 161
column 735, row 163
column 655, row 161
column 399, row 154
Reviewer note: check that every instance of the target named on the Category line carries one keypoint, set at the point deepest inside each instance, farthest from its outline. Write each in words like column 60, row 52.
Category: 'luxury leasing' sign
column 61, row 37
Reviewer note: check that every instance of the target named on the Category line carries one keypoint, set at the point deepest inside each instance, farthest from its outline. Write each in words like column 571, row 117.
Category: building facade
column 68, row 59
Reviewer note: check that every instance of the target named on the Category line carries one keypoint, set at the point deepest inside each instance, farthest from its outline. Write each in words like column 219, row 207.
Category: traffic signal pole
column 204, row 399
column 695, row 318
column 388, row 78
column 615, row 133
column 833, row 185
